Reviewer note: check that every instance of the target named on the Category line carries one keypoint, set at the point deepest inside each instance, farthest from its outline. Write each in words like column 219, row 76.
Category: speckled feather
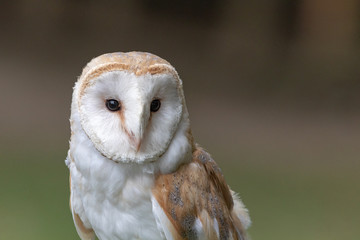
column 197, row 190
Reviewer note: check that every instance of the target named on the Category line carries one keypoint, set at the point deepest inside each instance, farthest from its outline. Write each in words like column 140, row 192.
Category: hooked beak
column 138, row 140
column 137, row 134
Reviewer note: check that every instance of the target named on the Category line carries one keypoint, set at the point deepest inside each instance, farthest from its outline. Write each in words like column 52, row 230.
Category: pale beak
column 140, row 137
column 138, row 134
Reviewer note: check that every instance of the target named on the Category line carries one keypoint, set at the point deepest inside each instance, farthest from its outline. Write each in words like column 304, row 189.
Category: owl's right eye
column 112, row 104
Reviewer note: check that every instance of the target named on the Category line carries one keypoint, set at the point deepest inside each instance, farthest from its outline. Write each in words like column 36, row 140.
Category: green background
column 272, row 88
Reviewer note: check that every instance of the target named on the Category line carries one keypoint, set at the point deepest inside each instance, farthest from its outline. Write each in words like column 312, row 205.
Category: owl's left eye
column 112, row 104
column 155, row 105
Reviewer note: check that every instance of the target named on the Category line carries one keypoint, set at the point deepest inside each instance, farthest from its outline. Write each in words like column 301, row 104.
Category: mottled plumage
column 197, row 192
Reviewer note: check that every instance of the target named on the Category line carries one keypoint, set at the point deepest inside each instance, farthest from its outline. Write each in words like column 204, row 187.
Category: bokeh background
column 272, row 88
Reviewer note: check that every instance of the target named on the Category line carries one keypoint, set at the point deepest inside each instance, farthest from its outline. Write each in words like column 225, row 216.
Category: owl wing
column 83, row 232
column 195, row 203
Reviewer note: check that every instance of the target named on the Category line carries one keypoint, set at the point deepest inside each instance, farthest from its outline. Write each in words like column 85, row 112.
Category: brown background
column 272, row 88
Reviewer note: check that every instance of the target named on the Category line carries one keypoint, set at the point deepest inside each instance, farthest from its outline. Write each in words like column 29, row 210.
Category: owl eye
column 112, row 104
column 155, row 105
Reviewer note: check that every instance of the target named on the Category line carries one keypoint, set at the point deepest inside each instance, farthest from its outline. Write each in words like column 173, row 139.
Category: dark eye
column 155, row 105
column 112, row 104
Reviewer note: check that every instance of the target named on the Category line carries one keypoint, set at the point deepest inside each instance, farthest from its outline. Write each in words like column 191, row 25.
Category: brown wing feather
column 84, row 233
column 197, row 190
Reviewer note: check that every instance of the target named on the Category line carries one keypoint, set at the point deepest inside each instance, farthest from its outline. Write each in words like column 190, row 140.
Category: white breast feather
column 112, row 199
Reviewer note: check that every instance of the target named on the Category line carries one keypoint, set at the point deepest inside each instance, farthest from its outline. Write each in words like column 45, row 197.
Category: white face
column 134, row 131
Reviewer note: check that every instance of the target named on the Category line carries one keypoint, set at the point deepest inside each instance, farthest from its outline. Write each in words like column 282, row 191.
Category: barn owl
column 135, row 171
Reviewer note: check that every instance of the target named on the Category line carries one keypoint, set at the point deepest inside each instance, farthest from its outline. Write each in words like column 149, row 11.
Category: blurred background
column 272, row 88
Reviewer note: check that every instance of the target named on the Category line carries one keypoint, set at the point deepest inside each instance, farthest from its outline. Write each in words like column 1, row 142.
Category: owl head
column 132, row 109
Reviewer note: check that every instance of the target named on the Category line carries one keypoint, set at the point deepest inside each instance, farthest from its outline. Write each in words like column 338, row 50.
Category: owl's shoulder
column 197, row 201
